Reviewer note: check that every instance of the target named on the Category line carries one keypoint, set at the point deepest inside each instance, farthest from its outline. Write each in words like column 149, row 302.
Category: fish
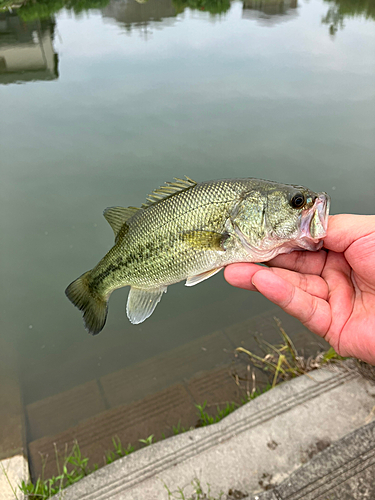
column 189, row 230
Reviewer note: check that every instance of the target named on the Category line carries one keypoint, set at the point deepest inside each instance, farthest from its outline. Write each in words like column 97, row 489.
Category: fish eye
column 298, row 200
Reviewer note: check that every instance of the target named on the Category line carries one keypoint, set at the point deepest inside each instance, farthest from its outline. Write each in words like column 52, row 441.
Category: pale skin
column 332, row 292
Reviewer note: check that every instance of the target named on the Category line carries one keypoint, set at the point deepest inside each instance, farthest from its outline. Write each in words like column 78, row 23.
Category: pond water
column 102, row 105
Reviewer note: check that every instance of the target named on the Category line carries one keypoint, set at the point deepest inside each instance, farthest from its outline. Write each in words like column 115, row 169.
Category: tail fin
column 94, row 307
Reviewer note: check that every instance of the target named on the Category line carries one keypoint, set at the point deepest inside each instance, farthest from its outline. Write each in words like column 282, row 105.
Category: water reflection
column 26, row 50
column 211, row 6
column 269, row 12
column 142, row 13
column 42, row 9
column 342, row 9
column 139, row 14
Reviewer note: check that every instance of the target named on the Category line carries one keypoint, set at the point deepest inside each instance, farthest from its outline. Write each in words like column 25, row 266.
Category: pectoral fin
column 141, row 303
column 205, row 240
column 194, row 280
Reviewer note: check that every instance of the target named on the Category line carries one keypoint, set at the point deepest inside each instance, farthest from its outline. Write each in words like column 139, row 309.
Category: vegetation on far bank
column 338, row 10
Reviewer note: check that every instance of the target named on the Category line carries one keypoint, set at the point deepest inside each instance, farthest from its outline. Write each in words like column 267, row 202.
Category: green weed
column 206, row 419
column 179, row 429
column 283, row 361
column 74, row 468
column 147, row 441
column 118, row 452
column 197, row 493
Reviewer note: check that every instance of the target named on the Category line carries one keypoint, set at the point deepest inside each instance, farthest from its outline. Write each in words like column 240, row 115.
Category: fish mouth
column 314, row 223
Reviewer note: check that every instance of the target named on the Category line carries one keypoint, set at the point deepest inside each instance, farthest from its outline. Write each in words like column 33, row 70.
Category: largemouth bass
column 190, row 231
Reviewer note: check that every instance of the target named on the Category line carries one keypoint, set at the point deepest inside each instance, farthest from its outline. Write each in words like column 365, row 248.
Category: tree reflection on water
column 340, row 9
column 269, row 12
column 211, row 6
column 43, row 9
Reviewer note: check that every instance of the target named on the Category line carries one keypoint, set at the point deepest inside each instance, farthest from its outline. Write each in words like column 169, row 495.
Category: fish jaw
column 314, row 223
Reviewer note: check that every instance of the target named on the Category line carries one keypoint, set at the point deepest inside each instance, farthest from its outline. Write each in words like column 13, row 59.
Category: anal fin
column 142, row 302
column 194, row 280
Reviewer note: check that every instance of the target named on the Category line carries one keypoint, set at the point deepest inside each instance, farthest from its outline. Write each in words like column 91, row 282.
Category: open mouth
column 314, row 221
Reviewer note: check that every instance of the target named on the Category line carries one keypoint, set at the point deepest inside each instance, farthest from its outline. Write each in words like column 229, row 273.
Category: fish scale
column 161, row 226
column 188, row 230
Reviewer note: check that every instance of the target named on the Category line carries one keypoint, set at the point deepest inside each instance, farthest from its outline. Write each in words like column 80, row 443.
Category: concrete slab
column 158, row 373
column 155, row 414
column 12, row 472
column 13, row 464
column 61, row 411
column 345, row 471
column 216, row 388
column 267, row 439
column 12, row 418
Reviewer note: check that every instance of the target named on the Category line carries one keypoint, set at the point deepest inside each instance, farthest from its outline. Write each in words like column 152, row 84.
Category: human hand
column 332, row 292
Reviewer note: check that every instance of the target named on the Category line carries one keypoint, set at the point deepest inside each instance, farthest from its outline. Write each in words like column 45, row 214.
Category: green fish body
column 189, row 231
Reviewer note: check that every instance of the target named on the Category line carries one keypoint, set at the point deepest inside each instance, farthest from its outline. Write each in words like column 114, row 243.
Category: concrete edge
column 342, row 461
column 150, row 461
column 13, row 448
column 13, row 471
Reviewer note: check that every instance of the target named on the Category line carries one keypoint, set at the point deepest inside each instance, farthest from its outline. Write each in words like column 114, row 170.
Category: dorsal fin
column 117, row 216
column 169, row 189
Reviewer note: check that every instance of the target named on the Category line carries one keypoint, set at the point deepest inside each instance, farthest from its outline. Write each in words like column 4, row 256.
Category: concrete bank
column 13, row 456
column 344, row 471
column 252, row 450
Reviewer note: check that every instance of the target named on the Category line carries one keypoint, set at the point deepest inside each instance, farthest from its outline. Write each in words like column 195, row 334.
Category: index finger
column 314, row 312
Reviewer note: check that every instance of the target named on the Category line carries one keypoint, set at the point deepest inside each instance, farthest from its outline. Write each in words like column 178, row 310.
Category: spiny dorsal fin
column 117, row 216
column 169, row 189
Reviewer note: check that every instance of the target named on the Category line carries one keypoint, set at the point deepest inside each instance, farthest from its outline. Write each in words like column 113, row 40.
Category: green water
column 100, row 106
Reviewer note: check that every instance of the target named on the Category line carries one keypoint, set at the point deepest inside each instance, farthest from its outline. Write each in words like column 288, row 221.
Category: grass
column 119, row 451
column 197, row 493
column 75, row 466
column 283, row 362
column 205, row 419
